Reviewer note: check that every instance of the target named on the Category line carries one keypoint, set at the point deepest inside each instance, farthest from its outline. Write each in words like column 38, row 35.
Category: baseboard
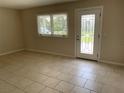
column 111, row 62
column 10, row 52
column 60, row 54
column 52, row 53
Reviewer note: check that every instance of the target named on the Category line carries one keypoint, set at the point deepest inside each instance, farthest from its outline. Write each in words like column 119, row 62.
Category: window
column 53, row 25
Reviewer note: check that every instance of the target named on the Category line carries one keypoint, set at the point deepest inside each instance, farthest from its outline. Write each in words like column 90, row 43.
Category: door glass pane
column 87, row 33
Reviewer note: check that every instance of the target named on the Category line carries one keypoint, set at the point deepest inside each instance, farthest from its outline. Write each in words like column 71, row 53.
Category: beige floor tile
column 65, row 69
column 92, row 92
column 49, row 90
column 22, row 69
column 5, row 87
column 23, row 83
column 12, row 68
column 19, row 82
column 17, row 91
column 80, row 90
column 76, row 72
column 22, row 72
column 78, row 81
column 51, row 82
column 64, row 87
column 5, row 75
column 102, row 79
column 45, row 70
column 2, row 64
column 116, row 81
column 65, row 77
column 37, row 77
column 90, row 76
column 53, row 73
column 111, row 89
column 92, row 85
column 34, row 88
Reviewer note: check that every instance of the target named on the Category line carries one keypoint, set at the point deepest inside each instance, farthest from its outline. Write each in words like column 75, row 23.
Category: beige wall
column 112, row 36
column 11, row 38
column 113, row 31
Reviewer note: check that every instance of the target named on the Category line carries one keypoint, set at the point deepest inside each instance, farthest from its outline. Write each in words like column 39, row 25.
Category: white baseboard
column 111, row 62
column 60, row 54
column 52, row 53
column 10, row 52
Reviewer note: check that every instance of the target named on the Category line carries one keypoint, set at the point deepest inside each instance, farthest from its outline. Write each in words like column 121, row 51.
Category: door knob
column 78, row 38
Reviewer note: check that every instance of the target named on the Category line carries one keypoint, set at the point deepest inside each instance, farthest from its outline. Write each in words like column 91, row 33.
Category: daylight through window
column 53, row 25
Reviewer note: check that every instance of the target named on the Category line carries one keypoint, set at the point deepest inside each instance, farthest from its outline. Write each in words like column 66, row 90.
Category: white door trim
column 100, row 29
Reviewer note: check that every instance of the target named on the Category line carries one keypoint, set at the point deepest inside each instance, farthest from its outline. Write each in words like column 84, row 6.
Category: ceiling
column 24, row 4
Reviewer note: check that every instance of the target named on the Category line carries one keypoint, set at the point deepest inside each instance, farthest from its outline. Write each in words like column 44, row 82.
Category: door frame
column 100, row 29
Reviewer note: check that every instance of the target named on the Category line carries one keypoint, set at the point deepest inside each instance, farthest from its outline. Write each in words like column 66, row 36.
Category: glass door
column 88, row 26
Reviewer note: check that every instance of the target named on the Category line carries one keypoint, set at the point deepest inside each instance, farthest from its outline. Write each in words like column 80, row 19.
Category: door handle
column 78, row 37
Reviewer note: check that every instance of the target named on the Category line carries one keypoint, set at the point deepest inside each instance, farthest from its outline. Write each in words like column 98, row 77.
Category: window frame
column 52, row 25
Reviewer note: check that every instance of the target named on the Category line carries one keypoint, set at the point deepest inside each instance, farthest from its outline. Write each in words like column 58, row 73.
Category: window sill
column 53, row 36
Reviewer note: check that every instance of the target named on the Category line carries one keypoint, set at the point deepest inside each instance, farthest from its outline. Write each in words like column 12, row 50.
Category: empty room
column 61, row 46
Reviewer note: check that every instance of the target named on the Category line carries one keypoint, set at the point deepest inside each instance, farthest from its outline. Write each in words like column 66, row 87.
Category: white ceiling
column 23, row 4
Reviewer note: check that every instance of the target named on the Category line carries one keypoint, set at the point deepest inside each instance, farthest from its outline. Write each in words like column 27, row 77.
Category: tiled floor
column 28, row 72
